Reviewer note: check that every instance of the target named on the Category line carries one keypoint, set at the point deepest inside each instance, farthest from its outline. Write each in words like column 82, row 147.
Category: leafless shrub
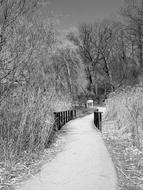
column 26, row 121
column 126, row 108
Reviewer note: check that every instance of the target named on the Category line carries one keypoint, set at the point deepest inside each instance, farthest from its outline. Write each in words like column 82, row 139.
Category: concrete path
column 84, row 163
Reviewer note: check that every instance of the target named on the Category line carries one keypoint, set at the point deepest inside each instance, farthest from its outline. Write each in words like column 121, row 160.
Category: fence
column 61, row 118
column 98, row 119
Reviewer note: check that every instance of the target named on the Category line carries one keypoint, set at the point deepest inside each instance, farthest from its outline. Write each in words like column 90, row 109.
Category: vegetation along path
column 84, row 163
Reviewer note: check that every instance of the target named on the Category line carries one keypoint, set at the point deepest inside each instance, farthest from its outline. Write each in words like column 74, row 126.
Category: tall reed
column 26, row 122
column 126, row 108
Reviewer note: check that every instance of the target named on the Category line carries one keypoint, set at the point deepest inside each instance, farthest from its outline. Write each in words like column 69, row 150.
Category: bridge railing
column 98, row 119
column 61, row 118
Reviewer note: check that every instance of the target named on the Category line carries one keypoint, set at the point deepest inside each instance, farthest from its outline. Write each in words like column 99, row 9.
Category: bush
column 26, row 122
column 126, row 108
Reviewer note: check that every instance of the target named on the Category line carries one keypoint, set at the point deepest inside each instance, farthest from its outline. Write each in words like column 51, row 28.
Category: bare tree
column 66, row 66
column 133, row 15
column 24, row 56
column 10, row 10
column 95, row 43
column 88, row 45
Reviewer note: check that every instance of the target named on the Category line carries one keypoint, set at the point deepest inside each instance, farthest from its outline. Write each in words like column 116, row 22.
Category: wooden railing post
column 68, row 115
column 98, row 119
column 64, row 117
column 55, row 121
column 74, row 113
column 60, row 119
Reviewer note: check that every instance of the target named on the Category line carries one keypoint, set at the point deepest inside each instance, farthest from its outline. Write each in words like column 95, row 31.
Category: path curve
column 84, row 164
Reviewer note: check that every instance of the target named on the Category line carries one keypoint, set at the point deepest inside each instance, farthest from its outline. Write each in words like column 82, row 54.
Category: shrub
column 26, row 122
column 125, row 106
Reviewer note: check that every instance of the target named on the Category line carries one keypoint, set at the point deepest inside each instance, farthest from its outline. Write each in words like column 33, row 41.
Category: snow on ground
column 84, row 163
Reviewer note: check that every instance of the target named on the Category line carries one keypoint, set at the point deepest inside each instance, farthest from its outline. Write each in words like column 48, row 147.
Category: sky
column 73, row 12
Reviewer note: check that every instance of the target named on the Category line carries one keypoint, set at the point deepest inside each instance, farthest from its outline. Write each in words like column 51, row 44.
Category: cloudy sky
column 73, row 12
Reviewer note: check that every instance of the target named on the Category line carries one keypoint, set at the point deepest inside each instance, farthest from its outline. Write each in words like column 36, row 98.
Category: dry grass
column 26, row 125
column 126, row 108
column 122, row 131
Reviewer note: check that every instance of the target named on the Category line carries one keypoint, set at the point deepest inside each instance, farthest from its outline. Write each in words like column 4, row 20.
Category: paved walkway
column 84, row 163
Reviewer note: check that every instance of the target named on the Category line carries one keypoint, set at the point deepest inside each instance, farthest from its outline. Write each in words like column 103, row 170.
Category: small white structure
column 89, row 103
